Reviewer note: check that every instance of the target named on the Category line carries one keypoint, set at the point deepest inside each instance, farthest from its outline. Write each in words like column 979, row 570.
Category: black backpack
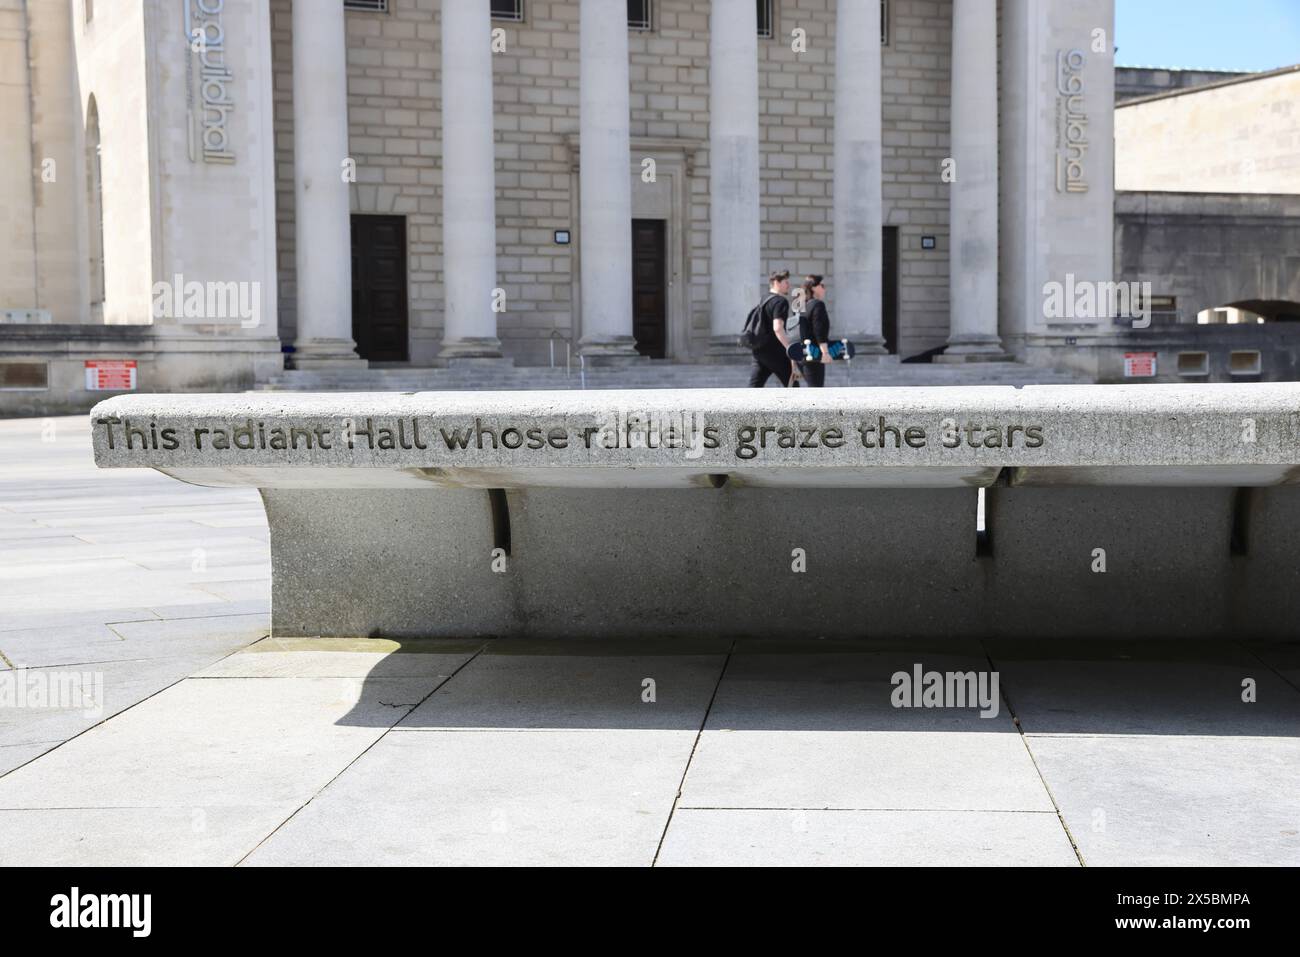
column 751, row 337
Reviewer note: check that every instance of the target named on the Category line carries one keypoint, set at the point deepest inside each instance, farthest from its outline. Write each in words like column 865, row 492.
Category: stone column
column 605, row 180
column 733, row 169
column 973, row 242
column 856, row 272
column 469, row 241
column 323, row 230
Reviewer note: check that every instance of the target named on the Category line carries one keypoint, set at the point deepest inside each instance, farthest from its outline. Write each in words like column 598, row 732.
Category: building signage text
column 1071, row 122
column 209, row 81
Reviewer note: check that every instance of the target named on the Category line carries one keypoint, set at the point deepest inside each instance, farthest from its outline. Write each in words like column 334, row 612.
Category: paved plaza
column 212, row 743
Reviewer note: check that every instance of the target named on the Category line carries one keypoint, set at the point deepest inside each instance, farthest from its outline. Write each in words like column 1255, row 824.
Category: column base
column 974, row 349
column 964, row 357
column 471, row 347
column 326, row 354
column 865, row 345
column 475, row 362
column 609, row 347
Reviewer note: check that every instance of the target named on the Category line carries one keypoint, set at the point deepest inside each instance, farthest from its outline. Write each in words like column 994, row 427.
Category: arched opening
column 95, row 211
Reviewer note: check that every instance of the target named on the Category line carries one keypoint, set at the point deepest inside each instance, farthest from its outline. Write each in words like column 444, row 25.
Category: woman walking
column 815, row 325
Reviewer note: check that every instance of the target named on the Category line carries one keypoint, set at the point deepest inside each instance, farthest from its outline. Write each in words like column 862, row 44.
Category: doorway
column 379, row 304
column 650, row 287
column 889, row 289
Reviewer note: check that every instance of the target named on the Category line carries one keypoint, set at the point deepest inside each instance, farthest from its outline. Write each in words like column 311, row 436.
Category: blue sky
column 1211, row 34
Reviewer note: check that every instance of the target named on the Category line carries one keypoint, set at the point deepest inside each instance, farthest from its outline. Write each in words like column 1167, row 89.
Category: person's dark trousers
column 814, row 374
column 769, row 363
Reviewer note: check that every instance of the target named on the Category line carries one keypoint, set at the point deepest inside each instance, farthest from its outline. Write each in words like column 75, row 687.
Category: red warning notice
column 110, row 375
column 1139, row 365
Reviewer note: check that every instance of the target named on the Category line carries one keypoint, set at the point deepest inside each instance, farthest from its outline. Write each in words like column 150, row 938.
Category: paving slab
column 207, row 609
column 226, row 742
column 1151, row 687
column 492, row 798
column 1155, row 800
column 72, row 619
column 124, row 684
column 596, row 685
column 16, row 755
column 345, row 658
column 133, row 640
column 818, row 731
column 135, row 837
column 771, row 838
column 1282, row 656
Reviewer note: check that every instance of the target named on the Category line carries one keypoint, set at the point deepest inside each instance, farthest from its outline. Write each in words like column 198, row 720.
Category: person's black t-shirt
column 775, row 306
column 815, row 322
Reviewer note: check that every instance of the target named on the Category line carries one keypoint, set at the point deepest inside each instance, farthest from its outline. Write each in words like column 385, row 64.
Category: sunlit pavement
column 209, row 743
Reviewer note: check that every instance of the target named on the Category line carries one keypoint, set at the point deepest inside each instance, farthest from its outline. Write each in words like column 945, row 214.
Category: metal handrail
column 568, row 350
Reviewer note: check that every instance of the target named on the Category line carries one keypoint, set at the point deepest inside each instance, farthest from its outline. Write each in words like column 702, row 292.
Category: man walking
column 770, row 338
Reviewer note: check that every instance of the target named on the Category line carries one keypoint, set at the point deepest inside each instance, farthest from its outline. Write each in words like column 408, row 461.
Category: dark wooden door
column 379, row 307
column 889, row 289
column 650, row 287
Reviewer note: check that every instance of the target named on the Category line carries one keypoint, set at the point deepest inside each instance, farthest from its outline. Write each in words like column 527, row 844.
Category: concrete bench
column 1106, row 510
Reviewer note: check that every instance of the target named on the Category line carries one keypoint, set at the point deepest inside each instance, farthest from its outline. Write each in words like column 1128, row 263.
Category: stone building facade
column 937, row 220
column 393, row 82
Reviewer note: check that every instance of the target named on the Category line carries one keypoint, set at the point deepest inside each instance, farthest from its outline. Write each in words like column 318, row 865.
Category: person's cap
column 781, row 276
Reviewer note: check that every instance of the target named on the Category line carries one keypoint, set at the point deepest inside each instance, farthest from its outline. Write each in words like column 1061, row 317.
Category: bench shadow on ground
column 1104, row 687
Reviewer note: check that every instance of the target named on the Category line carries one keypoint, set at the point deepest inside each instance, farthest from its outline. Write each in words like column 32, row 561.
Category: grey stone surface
column 356, row 658
column 578, row 685
column 1144, row 688
column 598, row 563
column 131, row 640
column 1096, row 426
column 799, row 838
column 547, row 758
column 493, row 798
column 125, row 683
column 106, row 571
column 396, row 540
column 1151, row 753
column 864, row 770
column 219, row 742
column 198, row 836
column 16, row 755
column 1282, row 656
column 818, row 731
column 1176, row 799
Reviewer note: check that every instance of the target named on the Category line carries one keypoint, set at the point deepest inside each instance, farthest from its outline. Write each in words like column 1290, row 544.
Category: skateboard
column 809, row 351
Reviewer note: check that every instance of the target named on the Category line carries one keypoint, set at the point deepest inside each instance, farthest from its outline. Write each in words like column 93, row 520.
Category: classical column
column 858, row 205
column 323, row 231
column 605, row 180
column 733, row 169
column 973, row 242
column 469, row 241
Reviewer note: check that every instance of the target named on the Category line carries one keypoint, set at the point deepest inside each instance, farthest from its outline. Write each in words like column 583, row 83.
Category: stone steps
column 650, row 375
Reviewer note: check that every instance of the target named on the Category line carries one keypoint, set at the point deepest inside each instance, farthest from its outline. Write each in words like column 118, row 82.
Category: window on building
column 765, row 18
column 89, row 9
column 508, row 10
column 370, row 6
column 640, row 15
